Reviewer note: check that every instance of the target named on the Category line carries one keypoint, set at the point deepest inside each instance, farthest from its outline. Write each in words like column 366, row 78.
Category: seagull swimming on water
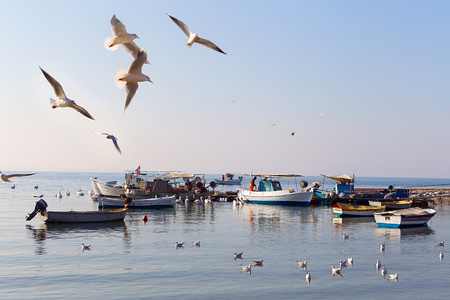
column 196, row 244
column 345, row 237
column 382, row 247
column 237, row 255
column 441, row 255
column 342, row 263
column 335, row 271
column 258, row 262
column 193, row 37
column 63, row 101
column 6, row 178
column 350, row 260
column 85, row 247
column 308, row 277
column 130, row 78
column 383, row 271
column 246, row 268
column 393, row 277
column 302, row 264
column 440, row 244
column 178, row 245
column 378, row 264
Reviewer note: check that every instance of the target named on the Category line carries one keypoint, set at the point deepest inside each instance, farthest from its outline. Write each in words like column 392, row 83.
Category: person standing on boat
column 252, row 185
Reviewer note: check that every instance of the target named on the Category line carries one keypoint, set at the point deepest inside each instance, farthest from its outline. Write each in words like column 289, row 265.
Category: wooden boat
column 391, row 205
column 76, row 216
column 166, row 201
column 414, row 216
column 271, row 192
column 228, row 179
column 344, row 210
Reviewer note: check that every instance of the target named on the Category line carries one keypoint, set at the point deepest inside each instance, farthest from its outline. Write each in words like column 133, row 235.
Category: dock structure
column 224, row 196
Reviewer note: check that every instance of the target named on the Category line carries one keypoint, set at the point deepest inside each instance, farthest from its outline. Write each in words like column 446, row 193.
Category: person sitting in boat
column 188, row 185
column 252, row 185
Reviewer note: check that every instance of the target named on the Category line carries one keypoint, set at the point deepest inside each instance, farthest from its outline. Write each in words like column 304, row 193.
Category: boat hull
column 348, row 210
column 82, row 216
column 283, row 197
column 102, row 189
column 392, row 204
column 142, row 203
column 228, row 182
column 404, row 218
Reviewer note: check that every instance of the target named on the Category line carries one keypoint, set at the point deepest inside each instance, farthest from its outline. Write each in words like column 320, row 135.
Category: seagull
column 441, row 255
column 6, row 178
column 178, row 245
column 196, row 244
column 193, row 37
column 345, row 237
column 292, row 133
column 179, row 200
column 199, row 201
column 335, row 271
column 63, row 101
column 308, row 277
column 238, row 255
column 40, row 196
column 321, row 114
column 440, row 244
column 342, row 264
column 350, row 260
column 85, row 247
column 36, row 186
column 382, row 247
column 59, row 195
column 121, row 36
column 258, row 262
column 208, row 200
column 383, row 271
column 393, row 277
column 302, row 264
column 186, row 200
column 13, row 186
column 114, row 140
column 246, row 268
column 67, row 193
column 378, row 264
column 130, row 78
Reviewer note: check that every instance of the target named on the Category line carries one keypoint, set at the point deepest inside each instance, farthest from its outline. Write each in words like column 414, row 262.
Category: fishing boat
column 346, row 210
column 392, row 205
column 228, row 179
column 414, row 216
column 269, row 191
column 76, row 216
column 155, row 202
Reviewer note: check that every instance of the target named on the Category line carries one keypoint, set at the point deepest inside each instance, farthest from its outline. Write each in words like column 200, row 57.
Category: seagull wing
column 82, row 111
column 133, row 49
column 209, row 44
column 5, row 178
column 136, row 65
column 117, row 27
column 182, row 26
column 130, row 88
column 55, row 84
column 114, row 140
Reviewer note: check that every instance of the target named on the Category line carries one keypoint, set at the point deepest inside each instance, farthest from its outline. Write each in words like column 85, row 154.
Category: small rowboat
column 346, row 210
column 414, row 216
column 167, row 201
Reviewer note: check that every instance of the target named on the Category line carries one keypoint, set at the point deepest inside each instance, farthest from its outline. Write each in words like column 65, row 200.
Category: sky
column 363, row 84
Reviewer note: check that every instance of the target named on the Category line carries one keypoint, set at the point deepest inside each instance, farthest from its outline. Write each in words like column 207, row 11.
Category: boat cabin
column 269, row 185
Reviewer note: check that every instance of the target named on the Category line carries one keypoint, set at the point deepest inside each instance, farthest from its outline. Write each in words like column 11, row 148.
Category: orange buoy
column 144, row 218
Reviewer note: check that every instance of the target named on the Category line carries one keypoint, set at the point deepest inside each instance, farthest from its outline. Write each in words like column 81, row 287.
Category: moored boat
column 76, row 216
column 344, row 210
column 414, row 216
column 392, row 205
column 269, row 191
column 228, row 179
column 155, row 202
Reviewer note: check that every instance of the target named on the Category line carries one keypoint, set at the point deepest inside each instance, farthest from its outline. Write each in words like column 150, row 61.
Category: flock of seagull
column 124, row 78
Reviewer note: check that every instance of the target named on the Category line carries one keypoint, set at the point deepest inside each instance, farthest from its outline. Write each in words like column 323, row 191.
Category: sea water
column 138, row 260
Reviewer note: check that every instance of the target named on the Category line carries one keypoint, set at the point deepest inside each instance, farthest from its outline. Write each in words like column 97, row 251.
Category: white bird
column 80, row 193
column 335, row 271
column 350, row 260
column 121, row 37
column 321, row 114
column 393, row 276
column 237, row 255
column 59, row 195
column 186, row 200
column 114, row 140
column 383, row 271
column 178, row 245
column 63, row 101
column 85, row 247
column 258, row 262
column 342, row 263
column 208, row 200
column 130, row 78
column 345, row 237
column 6, row 178
column 246, row 268
column 196, row 244
column 441, row 255
column 179, row 200
column 378, row 264
column 382, row 247
column 308, row 277
column 199, row 201
column 193, row 37
column 302, row 264
column 440, row 244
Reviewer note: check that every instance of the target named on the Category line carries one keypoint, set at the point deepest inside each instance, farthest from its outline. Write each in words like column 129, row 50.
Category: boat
column 228, row 179
column 269, row 191
column 392, row 205
column 155, row 202
column 344, row 210
column 414, row 216
column 76, row 216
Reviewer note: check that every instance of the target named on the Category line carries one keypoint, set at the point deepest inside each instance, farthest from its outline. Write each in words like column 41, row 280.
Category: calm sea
column 137, row 260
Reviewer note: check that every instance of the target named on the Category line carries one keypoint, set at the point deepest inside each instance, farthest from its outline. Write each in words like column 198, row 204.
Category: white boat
column 269, row 191
column 228, row 179
column 76, row 216
column 414, row 216
column 390, row 205
column 344, row 210
column 166, row 201
column 109, row 189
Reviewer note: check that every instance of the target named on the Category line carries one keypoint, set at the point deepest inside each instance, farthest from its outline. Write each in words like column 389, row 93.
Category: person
column 252, row 185
column 188, row 185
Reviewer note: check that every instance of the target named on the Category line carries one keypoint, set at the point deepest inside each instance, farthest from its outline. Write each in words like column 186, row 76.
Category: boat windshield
column 269, row 185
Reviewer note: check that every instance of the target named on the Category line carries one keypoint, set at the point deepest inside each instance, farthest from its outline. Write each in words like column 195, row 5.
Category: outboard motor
column 41, row 205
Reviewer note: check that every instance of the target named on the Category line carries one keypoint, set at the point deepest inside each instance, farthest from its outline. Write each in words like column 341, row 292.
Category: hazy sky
column 377, row 70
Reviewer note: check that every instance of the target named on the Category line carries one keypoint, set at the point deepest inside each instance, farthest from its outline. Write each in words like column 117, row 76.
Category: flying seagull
column 63, row 101
column 130, row 78
column 114, row 140
column 5, row 177
column 193, row 37
column 122, row 37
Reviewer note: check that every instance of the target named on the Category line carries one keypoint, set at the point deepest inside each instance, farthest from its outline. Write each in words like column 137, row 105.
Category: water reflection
column 75, row 230
column 398, row 233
